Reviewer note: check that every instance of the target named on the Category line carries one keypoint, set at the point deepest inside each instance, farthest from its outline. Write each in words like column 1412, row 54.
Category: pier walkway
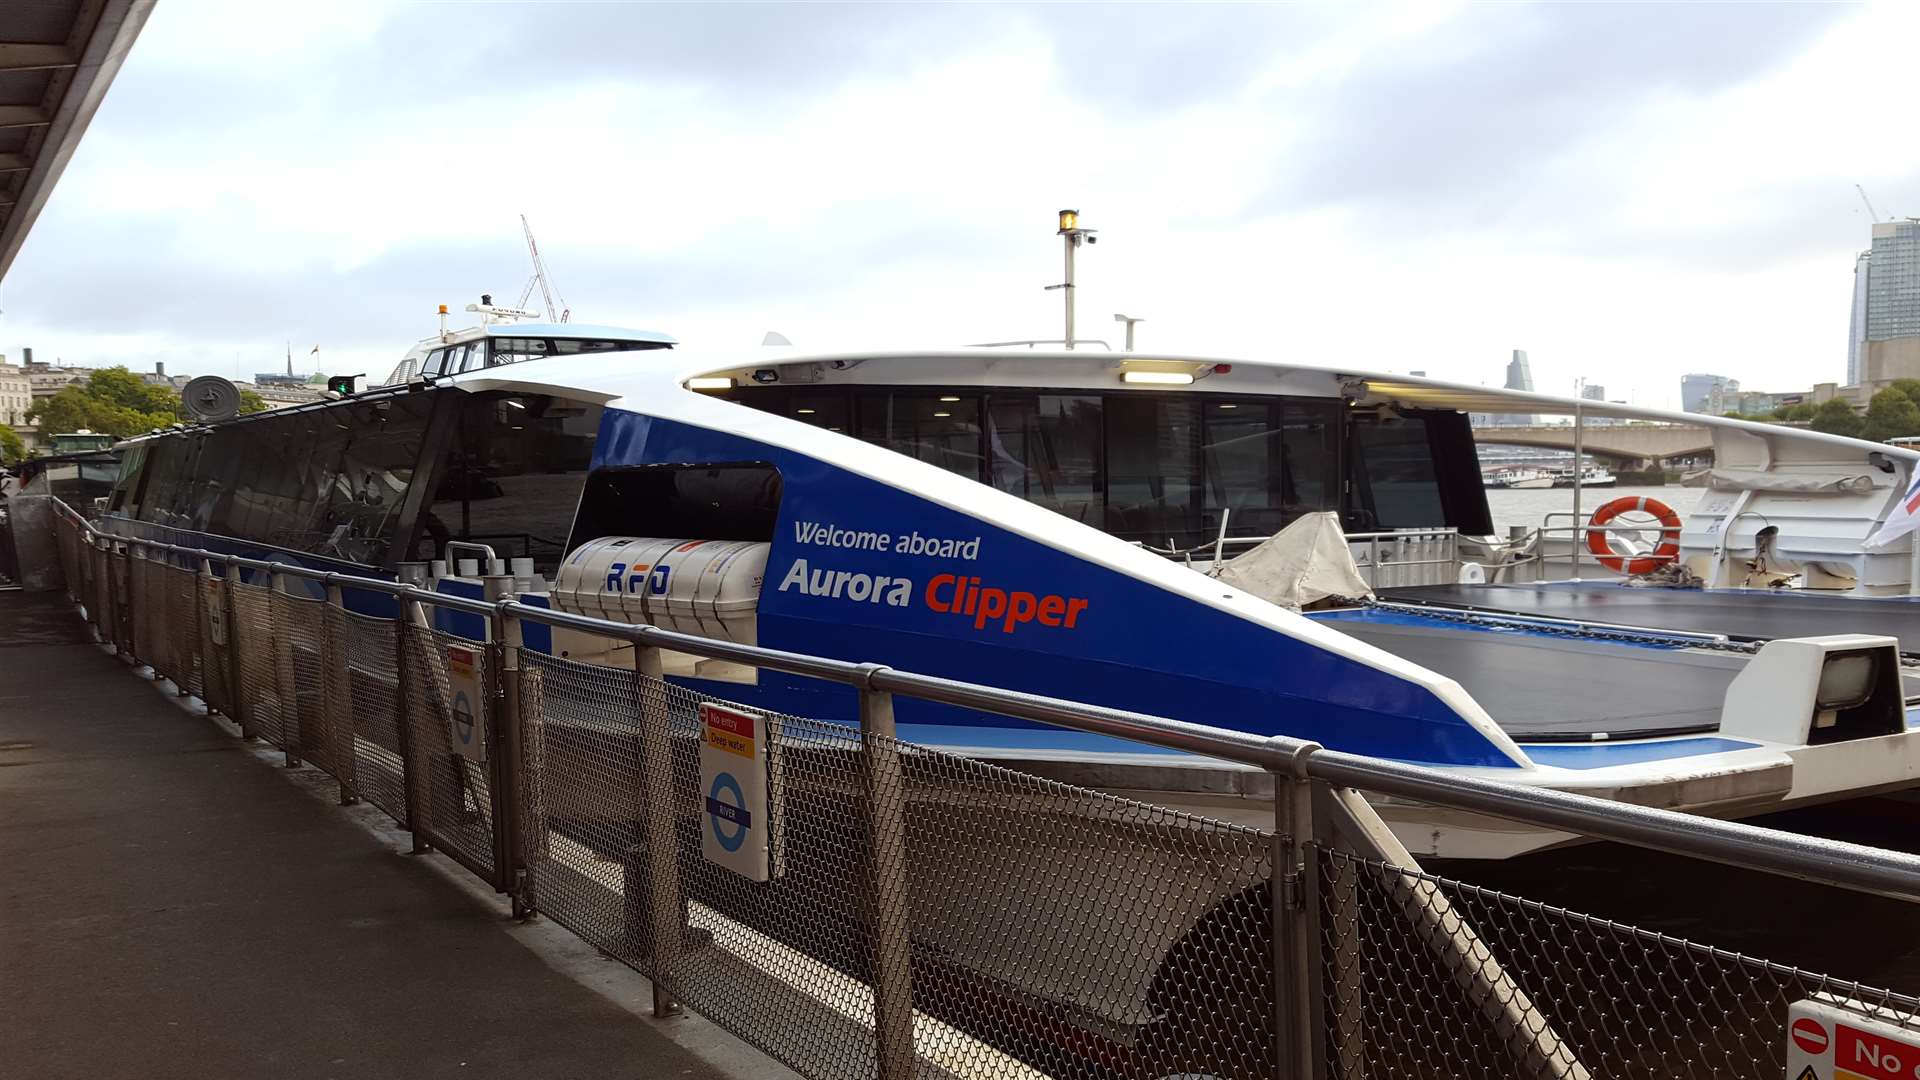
column 170, row 906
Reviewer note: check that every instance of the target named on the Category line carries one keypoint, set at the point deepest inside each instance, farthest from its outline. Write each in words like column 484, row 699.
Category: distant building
column 1889, row 340
column 1519, row 377
column 159, row 377
column 280, row 394
column 1591, row 392
column 1707, row 393
column 16, row 394
column 1519, row 374
column 1857, row 318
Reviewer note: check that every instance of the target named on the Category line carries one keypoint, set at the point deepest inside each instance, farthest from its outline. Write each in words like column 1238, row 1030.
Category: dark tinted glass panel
column 513, row 477
column 1151, row 476
column 565, row 346
column 1047, row 449
column 942, row 429
column 827, row 409
column 132, row 463
column 1394, row 477
column 700, row 502
column 1267, row 462
column 366, row 484
column 514, row 350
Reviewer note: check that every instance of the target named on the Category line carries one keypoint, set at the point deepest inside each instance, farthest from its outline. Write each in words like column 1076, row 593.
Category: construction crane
column 540, row 278
column 1871, row 212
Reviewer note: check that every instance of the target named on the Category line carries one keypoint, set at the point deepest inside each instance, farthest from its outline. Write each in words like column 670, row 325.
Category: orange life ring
column 1601, row 543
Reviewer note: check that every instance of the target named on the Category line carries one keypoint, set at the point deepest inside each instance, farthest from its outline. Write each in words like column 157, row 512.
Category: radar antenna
column 540, row 278
column 210, row 399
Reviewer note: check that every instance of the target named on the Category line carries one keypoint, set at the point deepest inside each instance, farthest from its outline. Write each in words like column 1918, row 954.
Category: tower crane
column 1871, row 212
column 540, row 278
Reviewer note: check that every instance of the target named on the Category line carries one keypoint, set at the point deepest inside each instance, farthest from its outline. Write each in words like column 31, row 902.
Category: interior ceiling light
column 710, row 382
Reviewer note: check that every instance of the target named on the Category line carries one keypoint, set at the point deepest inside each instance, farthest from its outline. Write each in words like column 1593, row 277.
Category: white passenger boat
column 1062, row 523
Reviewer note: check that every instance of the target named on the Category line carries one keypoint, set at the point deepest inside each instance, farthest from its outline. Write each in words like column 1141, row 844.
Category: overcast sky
column 1627, row 191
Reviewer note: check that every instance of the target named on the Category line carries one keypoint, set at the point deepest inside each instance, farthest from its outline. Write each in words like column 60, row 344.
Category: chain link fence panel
column 1430, row 977
column 369, row 650
column 1053, row 931
column 452, row 800
column 216, row 661
column 184, row 623
column 265, row 707
column 303, row 658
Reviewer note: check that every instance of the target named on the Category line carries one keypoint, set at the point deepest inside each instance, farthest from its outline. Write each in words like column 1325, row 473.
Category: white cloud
column 259, row 174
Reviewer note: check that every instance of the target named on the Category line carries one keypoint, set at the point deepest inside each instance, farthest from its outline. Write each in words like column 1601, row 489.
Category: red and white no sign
column 1809, row 1036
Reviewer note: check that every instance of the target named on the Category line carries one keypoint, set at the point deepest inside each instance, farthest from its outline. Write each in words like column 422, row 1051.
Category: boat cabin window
column 1157, row 468
column 435, row 363
column 513, row 350
column 1416, row 469
column 698, row 502
column 511, row 478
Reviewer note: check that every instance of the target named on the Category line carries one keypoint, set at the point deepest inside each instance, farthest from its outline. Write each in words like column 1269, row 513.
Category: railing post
column 507, row 778
column 887, row 928
column 338, row 696
column 288, row 745
column 410, row 616
column 663, row 917
column 1299, row 1053
column 133, row 612
column 237, row 707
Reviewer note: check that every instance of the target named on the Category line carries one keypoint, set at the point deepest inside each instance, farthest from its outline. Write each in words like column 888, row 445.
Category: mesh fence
column 1036, row 929
column 452, row 798
column 303, row 658
column 184, row 627
column 263, row 706
column 1429, row 977
column 370, row 659
column 216, row 660
column 1036, row 915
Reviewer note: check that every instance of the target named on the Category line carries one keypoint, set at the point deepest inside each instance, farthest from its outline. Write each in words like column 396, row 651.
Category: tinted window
column 704, row 502
column 513, row 477
column 941, row 429
column 1151, row 468
column 514, row 350
column 1394, row 476
column 1046, row 448
column 1267, row 462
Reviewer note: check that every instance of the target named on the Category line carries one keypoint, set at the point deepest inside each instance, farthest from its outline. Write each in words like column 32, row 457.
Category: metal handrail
column 1833, row 862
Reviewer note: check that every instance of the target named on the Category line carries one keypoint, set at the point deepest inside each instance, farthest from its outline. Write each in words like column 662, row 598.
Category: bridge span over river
column 1623, row 444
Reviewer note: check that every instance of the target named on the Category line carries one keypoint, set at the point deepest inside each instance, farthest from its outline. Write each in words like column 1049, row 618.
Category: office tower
column 1857, row 319
column 1707, row 393
column 1889, row 341
column 1591, row 392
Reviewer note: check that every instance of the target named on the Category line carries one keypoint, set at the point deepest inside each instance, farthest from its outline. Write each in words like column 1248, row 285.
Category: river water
column 1511, row 507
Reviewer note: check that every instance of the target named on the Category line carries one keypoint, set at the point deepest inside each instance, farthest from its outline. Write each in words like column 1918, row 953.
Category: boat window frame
column 1337, row 493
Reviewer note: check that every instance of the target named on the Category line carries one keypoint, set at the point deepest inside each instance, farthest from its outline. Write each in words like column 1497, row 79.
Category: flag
column 316, row 349
column 1905, row 516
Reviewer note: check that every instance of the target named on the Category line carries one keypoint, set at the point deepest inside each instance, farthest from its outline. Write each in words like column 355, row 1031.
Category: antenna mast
column 540, row 278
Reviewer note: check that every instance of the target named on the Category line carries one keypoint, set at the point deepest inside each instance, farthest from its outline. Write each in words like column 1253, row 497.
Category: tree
column 114, row 401
column 13, row 449
column 1890, row 415
column 1909, row 387
column 1836, row 417
column 1802, row 411
column 251, row 402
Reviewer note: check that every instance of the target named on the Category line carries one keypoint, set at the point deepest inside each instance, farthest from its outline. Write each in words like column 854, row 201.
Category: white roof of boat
column 577, row 330
column 644, row 373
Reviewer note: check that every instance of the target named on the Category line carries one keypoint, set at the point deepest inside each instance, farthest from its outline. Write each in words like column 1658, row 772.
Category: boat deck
column 1549, row 688
column 1741, row 614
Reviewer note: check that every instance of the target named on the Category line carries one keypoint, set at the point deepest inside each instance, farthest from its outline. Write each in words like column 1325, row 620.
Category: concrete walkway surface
column 171, row 906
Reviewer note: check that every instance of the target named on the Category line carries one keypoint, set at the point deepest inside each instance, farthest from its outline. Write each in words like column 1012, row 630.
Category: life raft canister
column 1613, row 558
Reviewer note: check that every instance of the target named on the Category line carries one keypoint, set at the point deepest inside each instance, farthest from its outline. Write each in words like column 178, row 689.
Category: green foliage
column 114, row 401
column 1909, row 387
column 12, row 447
column 1736, row 415
column 251, row 402
column 1836, row 417
column 1890, row 415
column 1802, row 411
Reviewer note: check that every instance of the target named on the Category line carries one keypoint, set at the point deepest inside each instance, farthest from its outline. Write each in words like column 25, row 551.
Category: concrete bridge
column 1625, row 444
